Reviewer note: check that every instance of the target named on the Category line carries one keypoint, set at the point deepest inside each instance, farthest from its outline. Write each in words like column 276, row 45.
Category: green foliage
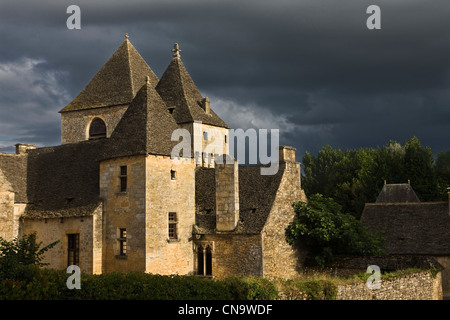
column 319, row 289
column 20, row 257
column 51, row 284
column 251, row 288
column 355, row 177
column 442, row 168
column 321, row 225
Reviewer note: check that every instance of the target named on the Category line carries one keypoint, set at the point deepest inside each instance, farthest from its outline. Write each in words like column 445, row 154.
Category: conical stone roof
column 117, row 82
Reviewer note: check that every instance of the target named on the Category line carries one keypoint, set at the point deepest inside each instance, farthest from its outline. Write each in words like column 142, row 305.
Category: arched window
column 97, row 130
column 208, row 261
column 204, row 260
column 200, row 261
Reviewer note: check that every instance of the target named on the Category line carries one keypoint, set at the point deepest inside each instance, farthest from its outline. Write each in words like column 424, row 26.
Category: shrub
column 321, row 225
column 51, row 284
column 17, row 257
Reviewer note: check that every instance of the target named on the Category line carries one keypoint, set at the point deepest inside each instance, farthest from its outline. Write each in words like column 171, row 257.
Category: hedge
column 50, row 284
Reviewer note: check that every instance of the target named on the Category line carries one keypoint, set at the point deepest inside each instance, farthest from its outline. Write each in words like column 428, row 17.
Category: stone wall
column 6, row 209
column 169, row 194
column 445, row 263
column 50, row 230
column 415, row 286
column 234, row 254
column 227, row 196
column 123, row 210
column 6, row 215
column 75, row 124
column 279, row 258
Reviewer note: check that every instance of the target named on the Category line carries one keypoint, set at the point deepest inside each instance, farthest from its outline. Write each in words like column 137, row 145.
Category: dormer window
column 97, row 130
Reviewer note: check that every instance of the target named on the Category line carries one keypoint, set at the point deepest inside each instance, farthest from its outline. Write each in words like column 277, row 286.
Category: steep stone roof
column 145, row 128
column 178, row 90
column 411, row 228
column 256, row 197
column 401, row 192
column 117, row 82
column 14, row 168
column 64, row 180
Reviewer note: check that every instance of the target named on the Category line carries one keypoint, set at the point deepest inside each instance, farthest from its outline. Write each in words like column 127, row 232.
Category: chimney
column 206, row 105
column 22, row 148
column 286, row 154
column 227, row 195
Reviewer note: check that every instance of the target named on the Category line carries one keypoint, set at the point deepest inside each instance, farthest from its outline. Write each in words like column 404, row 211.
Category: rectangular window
column 173, row 226
column 226, row 138
column 73, row 249
column 205, row 136
column 173, row 174
column 122, row 242
column 123, row 178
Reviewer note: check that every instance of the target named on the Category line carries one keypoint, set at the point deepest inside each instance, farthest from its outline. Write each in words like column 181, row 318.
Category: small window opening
column 173, row 174
column 122, row 242
column 123, row 178
column 97, row 130
column 205, row 136
column 173, row 226
column 73, row 249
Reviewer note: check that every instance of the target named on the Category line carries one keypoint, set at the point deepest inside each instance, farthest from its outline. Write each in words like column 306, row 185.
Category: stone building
column 117, row 201
column 411, row 227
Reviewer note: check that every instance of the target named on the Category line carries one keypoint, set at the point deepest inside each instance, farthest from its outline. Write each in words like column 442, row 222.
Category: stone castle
column 116, row 200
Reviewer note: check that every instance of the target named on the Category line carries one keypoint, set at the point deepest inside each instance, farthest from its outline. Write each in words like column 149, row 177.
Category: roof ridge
column 183, row 86
column 128, row 43
column 116, row 82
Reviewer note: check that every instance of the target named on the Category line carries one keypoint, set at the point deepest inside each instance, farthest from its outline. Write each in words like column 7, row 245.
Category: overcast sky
column 309, row 68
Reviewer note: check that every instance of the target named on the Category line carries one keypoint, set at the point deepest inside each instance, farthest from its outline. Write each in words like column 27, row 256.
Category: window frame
column 123, row 177
column 73, row 249
column 172, row 230
column 122, row 239
column 95, row 123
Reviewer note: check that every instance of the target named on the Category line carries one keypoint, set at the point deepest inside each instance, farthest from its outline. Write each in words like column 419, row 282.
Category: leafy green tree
column 322, row 226
column 21, row 256
column 354, row 177
column 442, row 169
column 419, row 169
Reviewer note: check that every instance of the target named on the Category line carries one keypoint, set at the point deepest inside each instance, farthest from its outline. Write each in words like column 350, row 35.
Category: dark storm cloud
column 310, row 68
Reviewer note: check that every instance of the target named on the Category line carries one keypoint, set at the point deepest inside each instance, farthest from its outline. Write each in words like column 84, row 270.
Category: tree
column 19, row 256
column 322, row 226
column 442, row 168
column 354, row 177
column 419, row 169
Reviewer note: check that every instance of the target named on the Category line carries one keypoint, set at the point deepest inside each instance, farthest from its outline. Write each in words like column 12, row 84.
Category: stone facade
column 75, row 125
column 120, row 203
column 123, row 209
column 234, row 254
column 58, row 229
column 279, row 257
column 416, row 286
column 169, row 194
column 413, row 286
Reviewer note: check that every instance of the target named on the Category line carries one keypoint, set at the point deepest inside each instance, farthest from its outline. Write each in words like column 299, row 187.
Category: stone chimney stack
column 22, row 148
column 227, row 195
column 206, row 105
column 286, row 154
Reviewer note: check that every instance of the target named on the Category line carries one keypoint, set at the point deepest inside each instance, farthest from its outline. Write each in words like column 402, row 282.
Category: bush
column 51, row 284
column 319, row 289
column 17, row 257
column 321, row 225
